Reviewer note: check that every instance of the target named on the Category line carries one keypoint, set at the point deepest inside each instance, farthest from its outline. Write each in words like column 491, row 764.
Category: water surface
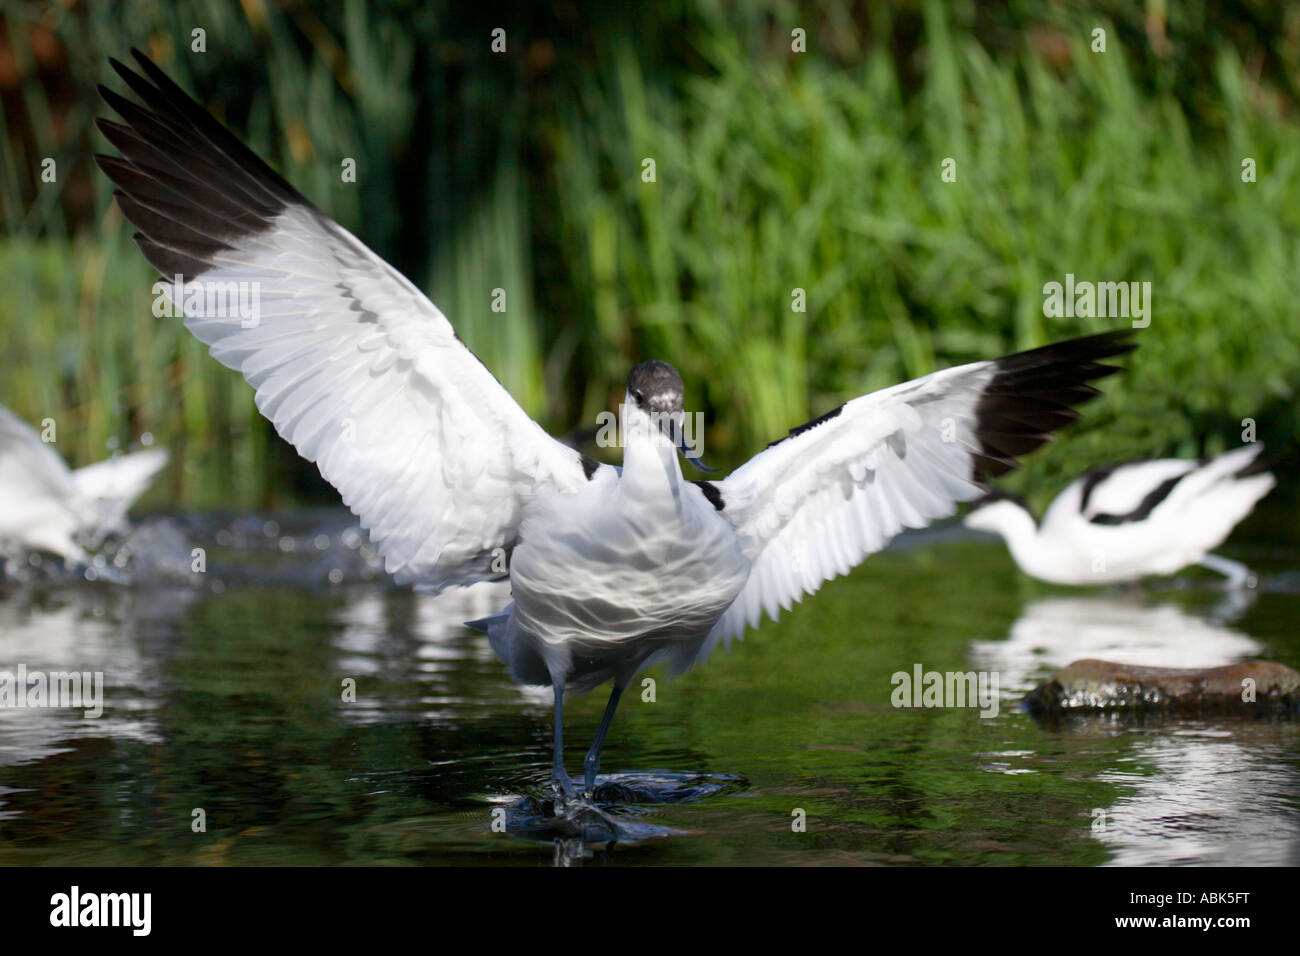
column 225, row 693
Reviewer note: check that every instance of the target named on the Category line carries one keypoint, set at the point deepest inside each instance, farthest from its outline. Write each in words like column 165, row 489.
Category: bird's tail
column 1241, row 468
column 1227, row 489
column 497, row 628
column 494, row 625
column 1263, row 462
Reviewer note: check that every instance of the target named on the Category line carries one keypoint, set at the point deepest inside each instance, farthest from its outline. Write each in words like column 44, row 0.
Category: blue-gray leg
column 1238, row 574
column 591, row 766
column 559, row 776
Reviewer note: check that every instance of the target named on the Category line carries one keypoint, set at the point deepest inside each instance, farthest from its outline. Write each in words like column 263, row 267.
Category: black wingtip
column 1034, row 393
column 121, row 69
column 153, row 72
column 187, row 183
column 1264, row 462
column 100, row 159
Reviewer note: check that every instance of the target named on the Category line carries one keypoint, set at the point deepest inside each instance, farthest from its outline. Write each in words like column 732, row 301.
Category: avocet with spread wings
column 611, row 569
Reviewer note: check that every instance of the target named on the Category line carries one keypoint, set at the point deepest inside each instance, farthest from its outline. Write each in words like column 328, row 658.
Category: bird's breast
column 603, row 568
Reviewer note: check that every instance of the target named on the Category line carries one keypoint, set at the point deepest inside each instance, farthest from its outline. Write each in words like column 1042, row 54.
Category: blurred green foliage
column 774, row 171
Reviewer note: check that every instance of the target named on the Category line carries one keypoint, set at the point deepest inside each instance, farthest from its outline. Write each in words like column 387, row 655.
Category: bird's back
column 1119, row 490
column 1160, row 514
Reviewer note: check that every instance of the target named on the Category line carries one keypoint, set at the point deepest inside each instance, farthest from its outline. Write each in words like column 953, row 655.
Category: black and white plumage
column 1129, row 521
column 350, row 362
column 47, row 506
column 611, row 569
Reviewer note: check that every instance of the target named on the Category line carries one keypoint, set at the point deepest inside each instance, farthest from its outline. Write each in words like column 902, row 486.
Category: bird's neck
column 650, row 466
column 1020, row 532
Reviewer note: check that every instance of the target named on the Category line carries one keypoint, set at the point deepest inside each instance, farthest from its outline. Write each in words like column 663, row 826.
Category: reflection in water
column 223, row 691
column 80, row 630
column 396, row 634
column 1125, row 628
column 369, row 618
column 1221, row 793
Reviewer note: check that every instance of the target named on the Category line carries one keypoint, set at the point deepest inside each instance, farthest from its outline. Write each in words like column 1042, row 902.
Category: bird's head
column 655, row 404
column 996, row 513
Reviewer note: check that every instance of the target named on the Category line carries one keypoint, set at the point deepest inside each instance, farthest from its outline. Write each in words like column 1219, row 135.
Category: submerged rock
column 1250, row 688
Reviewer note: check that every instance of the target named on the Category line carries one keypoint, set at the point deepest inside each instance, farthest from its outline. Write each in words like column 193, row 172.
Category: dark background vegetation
column 775, row 170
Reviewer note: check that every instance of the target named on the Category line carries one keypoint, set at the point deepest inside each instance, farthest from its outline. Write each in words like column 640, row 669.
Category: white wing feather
column 1132, row 487
column 350, row 362
column 815, row 504
column 46, row 506
column 1117, row 491
column 364, row 376
column 111, row 486
column 29, row 465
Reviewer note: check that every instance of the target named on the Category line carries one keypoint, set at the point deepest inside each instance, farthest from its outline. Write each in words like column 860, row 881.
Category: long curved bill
column 678, row 438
